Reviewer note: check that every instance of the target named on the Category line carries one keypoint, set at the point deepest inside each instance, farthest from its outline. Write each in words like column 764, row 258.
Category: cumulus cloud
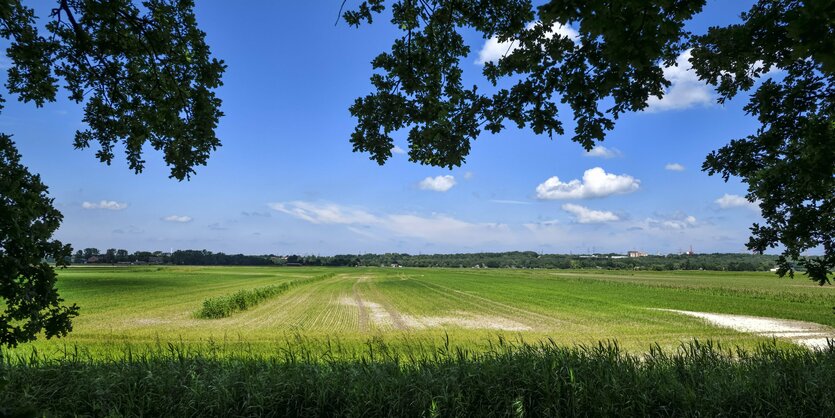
column 397, row 150
column 585, row 215
column 438, row 183
column 493, row 50
column 728, row 201
column 602, row 152
column 105, row 204
column 177, row 218
column 674, row 167
column 686, row 90
column 595, row 183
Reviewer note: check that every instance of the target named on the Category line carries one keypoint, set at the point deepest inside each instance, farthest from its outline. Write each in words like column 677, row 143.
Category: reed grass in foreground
column 509, row 379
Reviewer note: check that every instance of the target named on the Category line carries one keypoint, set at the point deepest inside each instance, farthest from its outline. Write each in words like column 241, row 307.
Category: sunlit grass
column 139, row 306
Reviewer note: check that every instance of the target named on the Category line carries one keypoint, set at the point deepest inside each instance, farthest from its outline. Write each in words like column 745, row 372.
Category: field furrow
column 122, row 306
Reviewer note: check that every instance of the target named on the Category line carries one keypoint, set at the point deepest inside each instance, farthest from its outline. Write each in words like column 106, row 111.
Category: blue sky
column 286, row 180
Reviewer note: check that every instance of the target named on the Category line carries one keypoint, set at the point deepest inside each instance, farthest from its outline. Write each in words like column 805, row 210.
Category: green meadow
column 144, row 307
column 422, row 343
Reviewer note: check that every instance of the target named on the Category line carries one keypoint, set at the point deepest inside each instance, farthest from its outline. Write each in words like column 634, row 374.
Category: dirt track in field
column 807, row 334
column 382, row 314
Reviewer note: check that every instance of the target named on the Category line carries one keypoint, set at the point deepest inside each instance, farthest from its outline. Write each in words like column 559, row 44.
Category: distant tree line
column 513, row 259
column 531, row 259
column 179, row 257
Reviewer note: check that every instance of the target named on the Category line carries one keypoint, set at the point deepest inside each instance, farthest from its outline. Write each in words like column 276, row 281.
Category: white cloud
column 437, row 184
column 177, row 218
column 758, row 67
column 469, row 175
column 437, row 228
column 324, row 213
column 361, row 229
column 596, row 183
column 677, row 222
column 105, row 204
column 397, row 150
column 674, row 167
column 603, row 152
column 585, row 215
column 728, row 201
column 493, row 50
column 686, row 90
column 443, row 228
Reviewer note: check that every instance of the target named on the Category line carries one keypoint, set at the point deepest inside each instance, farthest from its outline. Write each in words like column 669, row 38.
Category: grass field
column 148, row 306
column 421, row 342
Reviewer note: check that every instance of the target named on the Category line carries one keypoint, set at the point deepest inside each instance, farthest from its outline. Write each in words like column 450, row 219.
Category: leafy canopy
column 613, row 67
column 27, row 282
column 144, row 74
column 145, row 77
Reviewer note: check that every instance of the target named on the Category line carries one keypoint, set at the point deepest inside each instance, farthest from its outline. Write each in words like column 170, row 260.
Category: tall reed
column 509, row 379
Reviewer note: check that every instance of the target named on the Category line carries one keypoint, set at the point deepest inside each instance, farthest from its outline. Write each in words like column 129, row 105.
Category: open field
column 427, row 342
column 148, row 306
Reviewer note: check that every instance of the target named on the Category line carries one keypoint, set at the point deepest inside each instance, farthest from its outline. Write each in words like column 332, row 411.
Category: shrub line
column 226, row 305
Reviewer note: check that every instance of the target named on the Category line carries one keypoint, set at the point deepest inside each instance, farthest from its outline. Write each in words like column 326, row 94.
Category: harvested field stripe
column 396, row 319
column 807, row 334
column 363, row 314
column 468, row 297
column 223, row 306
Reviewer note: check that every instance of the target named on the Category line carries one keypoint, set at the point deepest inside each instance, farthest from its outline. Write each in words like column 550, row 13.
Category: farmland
column 421, row 342
column 147, row 306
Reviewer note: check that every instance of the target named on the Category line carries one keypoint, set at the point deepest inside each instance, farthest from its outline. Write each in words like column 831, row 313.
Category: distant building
column 635, row 254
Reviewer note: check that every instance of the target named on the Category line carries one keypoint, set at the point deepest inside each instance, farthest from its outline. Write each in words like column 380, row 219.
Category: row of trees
column 513, row 259
column 530, row 259
column 179, row 257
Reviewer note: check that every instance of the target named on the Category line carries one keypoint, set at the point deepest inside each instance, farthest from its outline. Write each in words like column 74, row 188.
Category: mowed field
column 151, row 306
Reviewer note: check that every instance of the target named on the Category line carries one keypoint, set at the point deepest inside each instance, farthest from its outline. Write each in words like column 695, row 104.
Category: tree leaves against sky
column 614, row 67
column 145, row 77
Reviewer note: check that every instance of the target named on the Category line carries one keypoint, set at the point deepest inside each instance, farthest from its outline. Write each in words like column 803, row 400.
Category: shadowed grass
column 321, row 378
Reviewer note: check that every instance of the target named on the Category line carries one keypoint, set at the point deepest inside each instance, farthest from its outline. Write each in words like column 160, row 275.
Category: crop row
column 226, row 305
